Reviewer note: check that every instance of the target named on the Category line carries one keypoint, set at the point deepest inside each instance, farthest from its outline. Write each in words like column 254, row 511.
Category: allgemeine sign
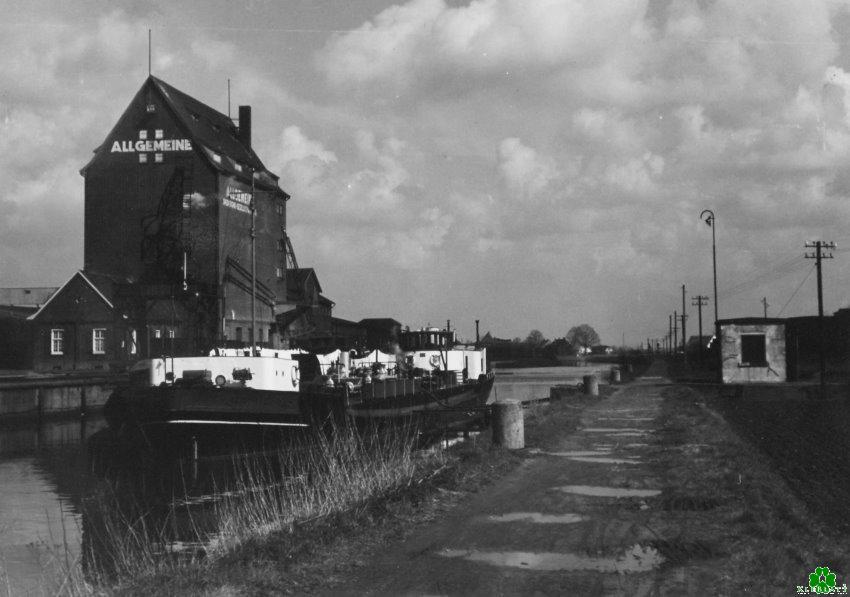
column 151, row 145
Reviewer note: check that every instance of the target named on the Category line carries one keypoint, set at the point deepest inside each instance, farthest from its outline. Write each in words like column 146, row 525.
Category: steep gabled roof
column 296, row 279
column 61, row 288
column 212, row 133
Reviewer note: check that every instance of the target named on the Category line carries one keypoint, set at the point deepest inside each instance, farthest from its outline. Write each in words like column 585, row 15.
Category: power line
column 797, row 290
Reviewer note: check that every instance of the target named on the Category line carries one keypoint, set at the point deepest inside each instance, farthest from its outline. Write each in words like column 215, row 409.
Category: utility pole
column 764, row 302
column 700, row 301
column 819, row 256
column 675, row 332
column 670, row 332
column 684, row 317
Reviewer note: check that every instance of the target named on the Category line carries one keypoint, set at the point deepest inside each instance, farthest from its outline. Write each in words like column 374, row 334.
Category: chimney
column 245, row 125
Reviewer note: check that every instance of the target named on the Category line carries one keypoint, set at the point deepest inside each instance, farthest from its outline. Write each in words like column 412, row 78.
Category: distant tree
column 535, row 341
column 535, row 338
column 561, row 346
column 582, row 336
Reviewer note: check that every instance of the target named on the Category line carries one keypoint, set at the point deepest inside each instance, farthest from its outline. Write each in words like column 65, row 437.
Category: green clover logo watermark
column 822, row 581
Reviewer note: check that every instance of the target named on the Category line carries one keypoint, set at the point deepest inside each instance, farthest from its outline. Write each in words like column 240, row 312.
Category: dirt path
column 641, row 500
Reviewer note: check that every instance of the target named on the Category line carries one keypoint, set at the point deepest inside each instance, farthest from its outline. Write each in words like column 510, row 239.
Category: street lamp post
column 708, row 217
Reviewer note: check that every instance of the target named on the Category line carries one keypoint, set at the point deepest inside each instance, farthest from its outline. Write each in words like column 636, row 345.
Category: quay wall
column 38, row 398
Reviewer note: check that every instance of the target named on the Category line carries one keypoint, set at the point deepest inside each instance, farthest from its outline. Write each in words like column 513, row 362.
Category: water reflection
column 50, row 474
column 44, row 475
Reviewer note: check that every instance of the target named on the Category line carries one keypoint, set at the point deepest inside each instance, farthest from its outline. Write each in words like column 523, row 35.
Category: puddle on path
column 604, row 460
column 617, row 430
column 637, row 558
column 537, row 517
column 626, row 418
column 638, row 445
column 616, row 492
column 574, row 453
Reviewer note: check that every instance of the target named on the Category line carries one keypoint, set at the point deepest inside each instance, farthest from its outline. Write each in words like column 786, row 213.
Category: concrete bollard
column 508, row 426
column 615, row 375
column 591, row 385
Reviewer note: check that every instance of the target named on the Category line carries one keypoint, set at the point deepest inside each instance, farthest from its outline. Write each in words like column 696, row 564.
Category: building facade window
column 171, row 332
column 157, row 333
column 157, row 157
column 57, row 342
column 239, row 334
column 133, row 342
column 753, row 350
column 278, row 271
column 143, row 158
column 98, row 341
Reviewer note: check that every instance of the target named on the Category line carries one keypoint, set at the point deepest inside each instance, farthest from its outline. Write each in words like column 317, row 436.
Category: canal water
column 47, row 471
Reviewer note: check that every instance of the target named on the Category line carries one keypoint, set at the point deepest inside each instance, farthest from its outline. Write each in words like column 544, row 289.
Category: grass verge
column 281, row 533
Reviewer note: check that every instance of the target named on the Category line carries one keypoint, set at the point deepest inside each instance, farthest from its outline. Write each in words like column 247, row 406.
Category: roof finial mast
column 228, row 97
column 149, row 52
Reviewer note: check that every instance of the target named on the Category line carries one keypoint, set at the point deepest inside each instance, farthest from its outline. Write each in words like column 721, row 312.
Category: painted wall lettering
column 236, row 198
column 151, row 145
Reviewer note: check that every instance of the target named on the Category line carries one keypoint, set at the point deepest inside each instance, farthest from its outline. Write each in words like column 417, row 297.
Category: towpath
column 645, row 498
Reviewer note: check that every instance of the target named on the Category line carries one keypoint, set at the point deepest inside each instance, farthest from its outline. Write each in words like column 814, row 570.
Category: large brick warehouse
column 168, row 229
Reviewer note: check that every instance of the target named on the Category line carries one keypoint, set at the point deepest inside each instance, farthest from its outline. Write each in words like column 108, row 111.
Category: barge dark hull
column 444, row 407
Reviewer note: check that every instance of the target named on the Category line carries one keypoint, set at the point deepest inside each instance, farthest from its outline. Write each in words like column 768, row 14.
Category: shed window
column 98, row 341
column 57, row 342
column 753, row 350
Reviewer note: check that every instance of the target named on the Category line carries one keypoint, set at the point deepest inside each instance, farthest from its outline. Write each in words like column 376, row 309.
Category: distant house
column 75, row 328
column 304, row 315
column 16, row 305
column 752, row 350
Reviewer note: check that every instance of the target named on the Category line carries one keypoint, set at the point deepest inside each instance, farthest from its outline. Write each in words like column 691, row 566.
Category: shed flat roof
column 752, row 321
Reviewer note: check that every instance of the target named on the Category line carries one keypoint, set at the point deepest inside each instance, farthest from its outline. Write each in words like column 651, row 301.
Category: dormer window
column 195, row 117
column 216, row 158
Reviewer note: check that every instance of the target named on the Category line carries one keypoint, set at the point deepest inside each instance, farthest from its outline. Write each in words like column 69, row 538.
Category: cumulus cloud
column 525, row 171
column 484, row 37
column 528, row 134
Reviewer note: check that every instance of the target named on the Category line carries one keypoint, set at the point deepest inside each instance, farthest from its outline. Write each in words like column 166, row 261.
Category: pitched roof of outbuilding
column 87, row 280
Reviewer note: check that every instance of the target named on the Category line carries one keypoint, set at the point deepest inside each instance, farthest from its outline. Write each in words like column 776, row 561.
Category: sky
column 530, row 164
